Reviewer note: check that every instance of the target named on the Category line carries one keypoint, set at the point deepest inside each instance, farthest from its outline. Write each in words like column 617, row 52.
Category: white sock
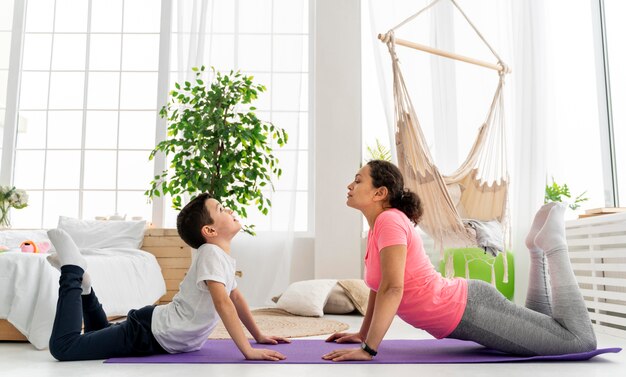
column 54, row 260
column 86, row 284
column 538, row 223
column 552, row 234
column 66, row 249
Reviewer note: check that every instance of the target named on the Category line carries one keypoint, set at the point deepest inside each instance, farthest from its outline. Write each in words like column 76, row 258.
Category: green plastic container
column 481, row 270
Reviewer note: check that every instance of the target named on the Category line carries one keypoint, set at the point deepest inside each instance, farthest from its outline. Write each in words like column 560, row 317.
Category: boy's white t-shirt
column 184, row 324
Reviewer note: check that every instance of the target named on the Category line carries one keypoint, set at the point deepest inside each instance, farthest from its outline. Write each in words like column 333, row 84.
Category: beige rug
column 281, row 323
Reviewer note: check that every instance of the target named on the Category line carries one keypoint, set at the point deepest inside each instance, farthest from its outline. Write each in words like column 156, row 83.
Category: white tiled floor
column 22, row 360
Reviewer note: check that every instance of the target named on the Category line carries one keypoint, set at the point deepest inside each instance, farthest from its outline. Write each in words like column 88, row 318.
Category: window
column 86, row 112
column 87, row 104
column 616, row 51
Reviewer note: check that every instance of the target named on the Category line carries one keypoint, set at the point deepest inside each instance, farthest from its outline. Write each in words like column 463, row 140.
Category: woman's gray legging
column 560, row 325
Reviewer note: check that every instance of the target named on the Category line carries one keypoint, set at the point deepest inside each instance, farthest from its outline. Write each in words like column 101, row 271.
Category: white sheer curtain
column 530, row 110
column 453, row 100
column 433, row 79
column 444, row 88
column 210, row 33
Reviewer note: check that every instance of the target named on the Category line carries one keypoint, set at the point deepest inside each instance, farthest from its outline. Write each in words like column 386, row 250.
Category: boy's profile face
column 224, row 223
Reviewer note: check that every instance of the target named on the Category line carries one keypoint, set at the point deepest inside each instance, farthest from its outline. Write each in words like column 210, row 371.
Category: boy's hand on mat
column 265, row 339
column 263, row 354
column 342, row 337
column 348, row 354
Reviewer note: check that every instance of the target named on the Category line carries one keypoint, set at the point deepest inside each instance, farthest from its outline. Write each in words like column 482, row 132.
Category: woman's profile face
column 361, row 191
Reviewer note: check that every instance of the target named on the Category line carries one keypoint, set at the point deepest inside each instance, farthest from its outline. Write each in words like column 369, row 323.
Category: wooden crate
column 173, row 255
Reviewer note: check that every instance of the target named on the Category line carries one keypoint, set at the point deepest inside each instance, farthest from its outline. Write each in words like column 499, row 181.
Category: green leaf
column 379, row 152
column 556, row 193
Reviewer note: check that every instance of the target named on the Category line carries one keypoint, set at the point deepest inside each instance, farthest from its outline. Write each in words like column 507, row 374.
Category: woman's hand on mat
column 347, row 354
column 263, row 354
column 342, row 337
column 268, row 339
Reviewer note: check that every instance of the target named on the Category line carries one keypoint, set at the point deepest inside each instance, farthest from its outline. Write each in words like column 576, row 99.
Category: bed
column 124, row 277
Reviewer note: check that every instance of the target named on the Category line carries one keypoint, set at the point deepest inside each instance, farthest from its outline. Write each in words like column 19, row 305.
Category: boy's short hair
column 192, row 218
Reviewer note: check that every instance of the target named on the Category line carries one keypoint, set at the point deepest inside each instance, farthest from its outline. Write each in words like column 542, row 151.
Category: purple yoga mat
column 425, row 351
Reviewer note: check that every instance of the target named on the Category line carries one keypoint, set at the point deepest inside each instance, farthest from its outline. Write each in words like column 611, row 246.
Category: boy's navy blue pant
column 101, row 339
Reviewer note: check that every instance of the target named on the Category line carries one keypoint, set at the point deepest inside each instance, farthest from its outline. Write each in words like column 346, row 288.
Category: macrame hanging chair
column 478, row 189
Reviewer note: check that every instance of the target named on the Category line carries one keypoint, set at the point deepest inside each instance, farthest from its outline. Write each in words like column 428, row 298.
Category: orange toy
column 29, row 246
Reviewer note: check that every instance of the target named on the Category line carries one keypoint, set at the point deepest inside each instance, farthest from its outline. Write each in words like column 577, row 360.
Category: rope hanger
column 499, row 66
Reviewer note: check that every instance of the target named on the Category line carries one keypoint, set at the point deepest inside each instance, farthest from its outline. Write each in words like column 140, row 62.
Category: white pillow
column 306, row 298
column 104, row 234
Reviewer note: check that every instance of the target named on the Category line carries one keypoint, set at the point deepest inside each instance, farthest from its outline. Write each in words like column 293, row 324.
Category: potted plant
column 379, row 152
column 558, row 193
column 217, row 144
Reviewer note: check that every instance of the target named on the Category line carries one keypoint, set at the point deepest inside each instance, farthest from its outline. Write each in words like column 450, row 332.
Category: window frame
column 9, row 146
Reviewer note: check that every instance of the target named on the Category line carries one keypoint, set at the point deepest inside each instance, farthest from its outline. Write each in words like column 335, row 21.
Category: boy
column 207, row 292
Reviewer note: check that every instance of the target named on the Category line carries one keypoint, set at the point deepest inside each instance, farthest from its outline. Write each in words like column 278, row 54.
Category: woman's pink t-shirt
column 430, row 301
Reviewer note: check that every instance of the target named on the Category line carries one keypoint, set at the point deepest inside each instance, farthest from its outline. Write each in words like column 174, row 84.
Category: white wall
column 337, row 136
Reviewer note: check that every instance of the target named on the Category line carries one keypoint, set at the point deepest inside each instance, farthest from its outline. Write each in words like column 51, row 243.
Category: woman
column 402, row 281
